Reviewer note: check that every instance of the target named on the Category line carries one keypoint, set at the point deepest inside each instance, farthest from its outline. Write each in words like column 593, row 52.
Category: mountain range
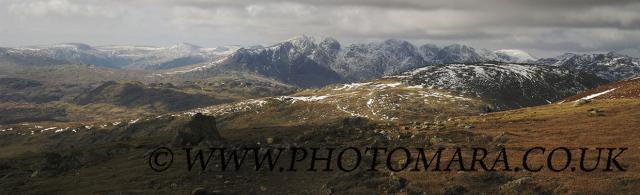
column 127, row 57
column 302, row 61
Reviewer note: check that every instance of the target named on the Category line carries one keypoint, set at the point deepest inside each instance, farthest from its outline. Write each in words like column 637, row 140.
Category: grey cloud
column 544, row 26
column 419, row 4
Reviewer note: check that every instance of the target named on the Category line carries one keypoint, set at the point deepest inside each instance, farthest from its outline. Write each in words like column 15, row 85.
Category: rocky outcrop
column 200, row 129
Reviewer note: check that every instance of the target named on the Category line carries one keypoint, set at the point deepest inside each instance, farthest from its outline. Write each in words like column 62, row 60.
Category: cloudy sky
column 542, row 27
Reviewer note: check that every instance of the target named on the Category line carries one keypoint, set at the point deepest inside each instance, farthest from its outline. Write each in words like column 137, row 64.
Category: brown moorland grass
column 551, row 126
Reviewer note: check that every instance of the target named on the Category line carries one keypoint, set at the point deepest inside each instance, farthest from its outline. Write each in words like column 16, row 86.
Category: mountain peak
column 310, row 39
column 184, row 45
column 301, row 38
column 516, row 55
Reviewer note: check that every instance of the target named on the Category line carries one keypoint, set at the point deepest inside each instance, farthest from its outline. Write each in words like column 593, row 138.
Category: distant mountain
column 359, row 62
column 130, row 57
column 506, row 85
column 301, row 61
column 457, row 53
column 9, row 56
column 310, row 62
column 610, row 66
column 515, row 56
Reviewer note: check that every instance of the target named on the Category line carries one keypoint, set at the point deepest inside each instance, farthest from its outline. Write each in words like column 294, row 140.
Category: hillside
column 122, row 147
column 629, row 88
column 610, row 66
column 138, row 95
column 25, row 100
column 506, row 86
column 380, row 100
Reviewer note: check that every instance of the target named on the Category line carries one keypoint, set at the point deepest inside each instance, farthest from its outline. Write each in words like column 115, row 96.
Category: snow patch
column 302, row 98
column 598, row 94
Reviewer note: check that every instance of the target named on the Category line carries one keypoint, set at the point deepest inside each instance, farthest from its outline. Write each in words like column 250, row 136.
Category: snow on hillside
column 507, row 85
column 376, row 100
column 598, row 94
column 610, row 66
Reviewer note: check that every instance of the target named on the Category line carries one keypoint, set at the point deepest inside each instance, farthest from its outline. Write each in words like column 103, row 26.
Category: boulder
column 581, row 102
column 201, row 128
column 200, row 191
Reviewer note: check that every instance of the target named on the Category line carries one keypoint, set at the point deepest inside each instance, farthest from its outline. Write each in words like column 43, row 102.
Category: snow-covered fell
column 508, row 85
column 610, row 66
column 124, row 56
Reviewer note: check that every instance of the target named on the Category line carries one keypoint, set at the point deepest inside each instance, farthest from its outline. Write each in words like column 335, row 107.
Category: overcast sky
column 542, row 27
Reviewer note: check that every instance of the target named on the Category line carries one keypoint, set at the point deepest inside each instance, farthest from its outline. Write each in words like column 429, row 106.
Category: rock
column 269, row 140
column 200, row 191
column 469, row 126
column 581, row 102
column 516, row 186
column 200, row 128
column 596, row 112
column 486, row 109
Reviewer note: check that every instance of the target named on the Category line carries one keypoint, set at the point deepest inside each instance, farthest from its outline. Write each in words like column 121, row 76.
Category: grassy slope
column 552, row 126
column 549, row 126
column 125, row 169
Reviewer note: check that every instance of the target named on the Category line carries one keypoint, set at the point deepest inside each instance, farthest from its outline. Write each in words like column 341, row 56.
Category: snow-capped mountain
column 358, row 62
column 312, row 61
column 9, row 56
column 354, row 62
column 306, row 61
column 610, row 66
column 457, row 53
column 515, row 56
column 134, row 57
column 302, row 61
column 507, row 85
